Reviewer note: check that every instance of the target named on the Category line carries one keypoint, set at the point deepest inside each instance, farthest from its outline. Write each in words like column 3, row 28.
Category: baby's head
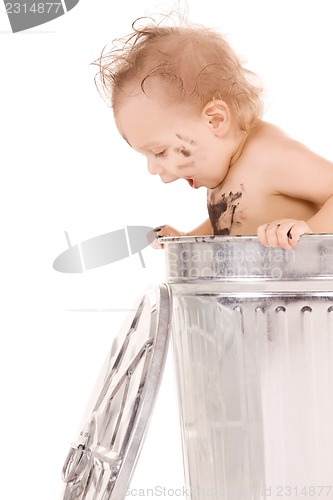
column 191, row 64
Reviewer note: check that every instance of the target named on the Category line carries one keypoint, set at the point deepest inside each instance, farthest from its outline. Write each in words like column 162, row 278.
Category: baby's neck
column 240, row 142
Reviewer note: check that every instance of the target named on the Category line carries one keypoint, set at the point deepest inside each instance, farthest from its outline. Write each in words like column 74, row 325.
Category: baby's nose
column 153, row 168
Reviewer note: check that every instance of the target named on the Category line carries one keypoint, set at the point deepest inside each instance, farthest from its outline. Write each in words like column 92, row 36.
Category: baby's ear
column 217, row 116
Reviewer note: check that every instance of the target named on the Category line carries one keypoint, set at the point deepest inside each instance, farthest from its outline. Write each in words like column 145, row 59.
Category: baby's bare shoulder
column 268, row 145
column 267, row 136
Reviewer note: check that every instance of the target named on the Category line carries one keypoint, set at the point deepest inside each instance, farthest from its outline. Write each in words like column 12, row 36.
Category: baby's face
column 177, row 143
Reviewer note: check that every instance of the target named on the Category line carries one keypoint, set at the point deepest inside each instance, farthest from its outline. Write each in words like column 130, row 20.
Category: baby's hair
column 197, row 64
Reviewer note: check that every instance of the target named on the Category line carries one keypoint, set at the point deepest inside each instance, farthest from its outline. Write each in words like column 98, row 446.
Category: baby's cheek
column 200, row 155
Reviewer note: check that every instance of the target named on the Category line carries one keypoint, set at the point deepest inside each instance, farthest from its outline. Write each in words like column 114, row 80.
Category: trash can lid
column 101, row 461
column 104, row 249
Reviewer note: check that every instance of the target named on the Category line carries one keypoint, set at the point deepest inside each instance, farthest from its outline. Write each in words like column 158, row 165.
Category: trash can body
column 252, row 332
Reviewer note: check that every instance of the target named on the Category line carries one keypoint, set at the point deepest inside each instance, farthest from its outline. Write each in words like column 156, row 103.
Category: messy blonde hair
column 197, row 64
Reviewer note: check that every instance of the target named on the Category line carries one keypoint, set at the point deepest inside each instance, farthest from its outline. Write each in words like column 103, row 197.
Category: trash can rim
column 233, row 239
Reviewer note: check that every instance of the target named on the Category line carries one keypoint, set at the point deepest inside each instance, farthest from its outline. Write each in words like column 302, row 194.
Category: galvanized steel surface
column 253, row 341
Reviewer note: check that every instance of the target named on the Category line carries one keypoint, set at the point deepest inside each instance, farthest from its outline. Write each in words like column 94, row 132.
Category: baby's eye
column 160, row 154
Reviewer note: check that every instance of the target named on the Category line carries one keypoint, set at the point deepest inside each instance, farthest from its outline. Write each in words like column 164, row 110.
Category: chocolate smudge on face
column 184, row 151
column 185, row 139
column 222, row 213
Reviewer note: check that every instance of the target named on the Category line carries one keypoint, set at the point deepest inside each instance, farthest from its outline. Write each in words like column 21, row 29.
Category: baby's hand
column 165, row 231
column 283, row 233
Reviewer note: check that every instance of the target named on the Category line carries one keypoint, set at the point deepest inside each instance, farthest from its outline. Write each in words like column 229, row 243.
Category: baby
column 182, row 98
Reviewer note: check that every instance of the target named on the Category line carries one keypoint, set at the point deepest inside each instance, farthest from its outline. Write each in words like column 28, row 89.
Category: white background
column 64, row 168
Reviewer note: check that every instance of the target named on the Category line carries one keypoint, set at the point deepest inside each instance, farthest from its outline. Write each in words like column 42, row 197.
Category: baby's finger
column 154, row 242
column 261, row 233
column 154, row 235
column 284, row 235
column 159, row 228
column 267, row 234
column 296, row 231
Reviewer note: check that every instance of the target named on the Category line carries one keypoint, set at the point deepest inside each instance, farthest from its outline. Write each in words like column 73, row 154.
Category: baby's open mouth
column 192, row 183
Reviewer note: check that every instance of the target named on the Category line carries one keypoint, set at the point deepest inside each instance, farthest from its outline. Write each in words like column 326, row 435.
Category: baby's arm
column 203, row 230
column 299, row 173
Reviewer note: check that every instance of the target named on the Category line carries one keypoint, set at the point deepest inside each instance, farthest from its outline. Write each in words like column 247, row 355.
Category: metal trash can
column 253, row 344
column 252, row 332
